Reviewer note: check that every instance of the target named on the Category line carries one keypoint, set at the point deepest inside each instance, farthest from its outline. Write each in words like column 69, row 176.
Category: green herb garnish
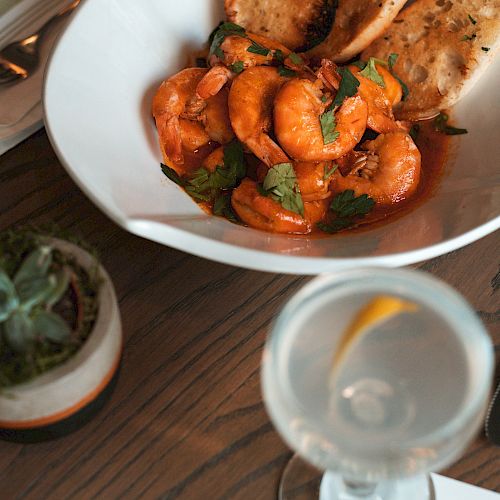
column 485, row 49
column 391, row 61
column 465, row 38
column 283, row 71
column 219, row 35
column 359, row 64
column 371, row 72
column 472, row 20
column 207, row 186
column 348, row 86
column 223, row 207
column 281, row 185
column 256, row 48
column 329, row 171
column 441, row 125
column 347, row 208
column 237, row 67
column 295, row 58
column 406, row 91
column 172, row 175
column 278, row 56
column 328, row 124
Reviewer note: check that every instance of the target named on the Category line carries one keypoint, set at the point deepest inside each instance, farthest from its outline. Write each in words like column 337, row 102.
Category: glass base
column 301, row 481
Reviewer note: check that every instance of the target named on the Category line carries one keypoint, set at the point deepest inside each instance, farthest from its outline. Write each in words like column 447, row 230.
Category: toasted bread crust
column 287, row 23
column 437, row 60
column 357, row 24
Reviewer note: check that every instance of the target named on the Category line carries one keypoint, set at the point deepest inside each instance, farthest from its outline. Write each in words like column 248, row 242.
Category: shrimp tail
column 169, row 132
column 267, row 150
column 213, row 81
column 328, row 74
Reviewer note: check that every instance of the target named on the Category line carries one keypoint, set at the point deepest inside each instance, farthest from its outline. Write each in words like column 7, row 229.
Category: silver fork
column 19, row 59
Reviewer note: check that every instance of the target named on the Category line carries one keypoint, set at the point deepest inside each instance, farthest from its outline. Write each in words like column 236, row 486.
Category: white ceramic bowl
column 98, row 91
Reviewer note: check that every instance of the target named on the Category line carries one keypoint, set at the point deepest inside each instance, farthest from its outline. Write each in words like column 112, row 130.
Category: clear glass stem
column 335, row 487
column 357, row 490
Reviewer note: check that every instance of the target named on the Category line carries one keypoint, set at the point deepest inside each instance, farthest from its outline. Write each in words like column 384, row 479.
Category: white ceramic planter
column 63, row 398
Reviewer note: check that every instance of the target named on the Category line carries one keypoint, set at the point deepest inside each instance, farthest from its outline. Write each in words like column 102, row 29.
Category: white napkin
column 450, row 489
column 20, row 104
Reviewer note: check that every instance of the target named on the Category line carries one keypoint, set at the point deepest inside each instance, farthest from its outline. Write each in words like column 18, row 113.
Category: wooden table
column 186, row 419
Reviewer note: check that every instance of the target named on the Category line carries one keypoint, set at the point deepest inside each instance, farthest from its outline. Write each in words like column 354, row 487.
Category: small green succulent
column 26, row 302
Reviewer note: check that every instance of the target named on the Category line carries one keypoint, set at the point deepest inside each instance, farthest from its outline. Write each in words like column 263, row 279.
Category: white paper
column 450, row 489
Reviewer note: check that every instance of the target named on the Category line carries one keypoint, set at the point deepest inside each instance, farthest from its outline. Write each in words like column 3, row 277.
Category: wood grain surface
column 186, row 419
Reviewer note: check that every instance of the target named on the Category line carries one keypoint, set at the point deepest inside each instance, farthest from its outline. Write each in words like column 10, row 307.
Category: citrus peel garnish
column 379, row 310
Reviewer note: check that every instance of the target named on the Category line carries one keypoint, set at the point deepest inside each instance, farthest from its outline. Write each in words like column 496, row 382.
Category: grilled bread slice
column 444, row 46
column 294, row 23
column 357, row 23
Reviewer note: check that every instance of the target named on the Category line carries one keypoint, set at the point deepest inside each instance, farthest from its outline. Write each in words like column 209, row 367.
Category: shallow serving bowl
column 98, row 91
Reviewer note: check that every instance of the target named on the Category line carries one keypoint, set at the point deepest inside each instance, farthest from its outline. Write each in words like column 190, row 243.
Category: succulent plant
column 27, row 299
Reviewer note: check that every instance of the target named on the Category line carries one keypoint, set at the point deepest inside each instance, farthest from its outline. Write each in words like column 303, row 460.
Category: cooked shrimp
column 327, row 73
column 235, row 50
column 310, row 177
column 388, row 172
column 215, row 118
column 315, row 211
column 311, row 180
column 214, row 81
column 297, row 110
column 214, row 159
column 184, row 120
column 262, row 212
column 392, row 89
column 193, row 135
column 174, row 96
column 251, row 111
column 380, row 116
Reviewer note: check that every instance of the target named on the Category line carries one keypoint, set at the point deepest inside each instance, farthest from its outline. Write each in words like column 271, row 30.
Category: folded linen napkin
column 20, row 103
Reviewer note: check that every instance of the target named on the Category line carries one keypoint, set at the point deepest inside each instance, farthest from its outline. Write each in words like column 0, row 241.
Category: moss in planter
column 78, row 307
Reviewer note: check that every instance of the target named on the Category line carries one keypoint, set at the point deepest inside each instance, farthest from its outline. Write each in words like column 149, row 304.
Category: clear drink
column 405, row 398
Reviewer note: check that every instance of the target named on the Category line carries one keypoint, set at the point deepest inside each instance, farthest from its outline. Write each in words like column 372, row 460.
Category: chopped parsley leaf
column 278, row 56
column 359, row 64
column 371, row 72
column 295, row 58
column 237, row 67
column 348, row 86
column 219, row 35
column 207, row 186
column 406, row 91
column 283, row 71
column 329, row 171
column 472, row 20
column 465, row 38
column 281, row 185
column 328, row 124
column 392, row 60
column 256, row 48
column 172, row 175
column 347, row 208
column 485, row 49
column 441, row 125
column 223, row 207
